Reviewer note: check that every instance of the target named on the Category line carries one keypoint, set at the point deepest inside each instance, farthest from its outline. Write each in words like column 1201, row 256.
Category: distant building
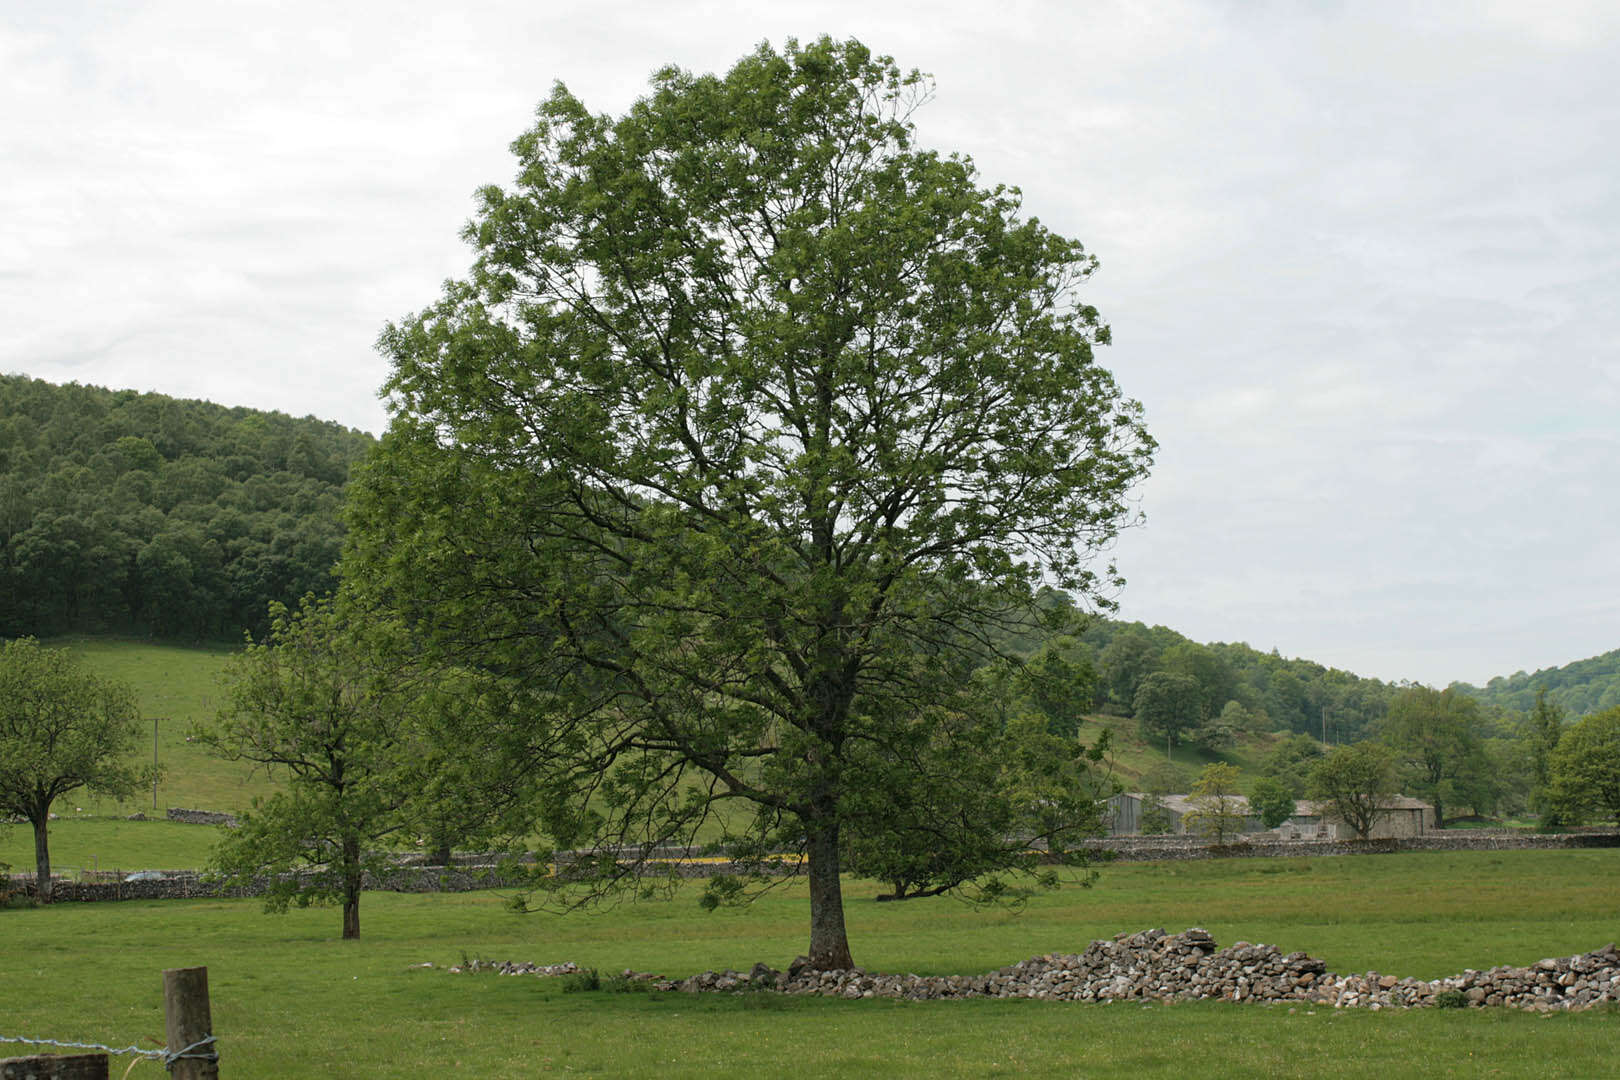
column 1400, row 816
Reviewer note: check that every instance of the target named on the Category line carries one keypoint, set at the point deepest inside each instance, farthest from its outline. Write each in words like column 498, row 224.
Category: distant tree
column 1291, row 761
column 1155, row 820
column 1235, row 717
column 1218, row 809
column 1271, row 800
column 1128, row 658
column 1287, row 701
column 1584, row 769
column 1543, row 729
column 1204, row 666
column 1061, row 684
column 1435, row 732
column 1354, row 782
column 1167, row 707
column 1221, row 730
column 61, row 729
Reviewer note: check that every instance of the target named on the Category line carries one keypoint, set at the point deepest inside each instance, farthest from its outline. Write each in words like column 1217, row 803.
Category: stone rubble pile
column 508, row 967
column 1154, row 966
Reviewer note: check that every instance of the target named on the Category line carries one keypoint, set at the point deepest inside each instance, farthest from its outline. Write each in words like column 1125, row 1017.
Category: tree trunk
column 829, row 944
column 42, row 858
column 352, row 877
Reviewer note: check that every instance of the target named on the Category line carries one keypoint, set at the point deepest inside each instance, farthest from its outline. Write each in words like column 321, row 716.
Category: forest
column 138, row 513
column 141, row 514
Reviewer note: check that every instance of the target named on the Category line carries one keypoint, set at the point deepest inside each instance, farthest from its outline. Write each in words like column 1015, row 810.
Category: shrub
column 1451, row 999
column 581, row 982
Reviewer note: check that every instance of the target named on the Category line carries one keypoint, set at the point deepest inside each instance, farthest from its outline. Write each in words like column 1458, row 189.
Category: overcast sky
column 1362, row 261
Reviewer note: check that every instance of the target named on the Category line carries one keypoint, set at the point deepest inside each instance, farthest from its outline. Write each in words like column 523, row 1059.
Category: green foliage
column 979, row 797
column 1451, row 999
column 1437, row 735
column 1290, row 762
column 749, row 421
column 327, row 704
column 1155, row 819
column 1584, row 769
column 1218, row 809
column 1167, row 707
column 139, row 513
column 580, row 982
column 1204, row 666
column 1060, row 684
column 61, row 729
column 1271, row 800
column 1578, row 688
column 1354, row 781
column 1543, row 727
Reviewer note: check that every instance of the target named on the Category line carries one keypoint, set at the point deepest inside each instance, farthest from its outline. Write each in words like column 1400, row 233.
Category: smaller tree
column 1584, row 769
column 61, row 729
column 1218, row 807
column 1271, row 800
column 319, row 703
column 1354, row 782
column 1544, row 727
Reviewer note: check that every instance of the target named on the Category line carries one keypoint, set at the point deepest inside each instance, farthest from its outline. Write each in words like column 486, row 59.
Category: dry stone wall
column 1160, row 967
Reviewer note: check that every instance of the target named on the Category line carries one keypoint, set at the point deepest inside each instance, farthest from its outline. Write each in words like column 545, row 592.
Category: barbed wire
column 165, row 1056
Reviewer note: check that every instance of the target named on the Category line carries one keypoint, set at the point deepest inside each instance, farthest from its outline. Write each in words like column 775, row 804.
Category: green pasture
column 178, row 685
column 81, row 842
column 291, row 999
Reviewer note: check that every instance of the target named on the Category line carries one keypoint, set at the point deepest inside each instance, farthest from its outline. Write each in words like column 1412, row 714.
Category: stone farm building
column 1400, row 816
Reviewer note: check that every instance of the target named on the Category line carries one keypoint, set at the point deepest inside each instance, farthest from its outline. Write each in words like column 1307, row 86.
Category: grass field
column 103, row 843
column 291, row 1000
column 179, row 685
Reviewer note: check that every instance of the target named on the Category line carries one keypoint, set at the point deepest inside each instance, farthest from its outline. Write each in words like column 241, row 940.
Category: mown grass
column 290, row 999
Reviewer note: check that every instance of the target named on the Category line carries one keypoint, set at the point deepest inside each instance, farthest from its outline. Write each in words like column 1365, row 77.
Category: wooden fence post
column 186, row 1016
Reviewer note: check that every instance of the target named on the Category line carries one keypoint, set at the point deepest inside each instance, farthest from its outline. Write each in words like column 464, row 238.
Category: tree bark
column 352, row 876
column 42, row 858
column 829, row 944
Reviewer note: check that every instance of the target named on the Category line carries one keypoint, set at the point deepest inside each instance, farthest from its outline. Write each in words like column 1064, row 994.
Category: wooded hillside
column 1579, row 688
column 123, row 512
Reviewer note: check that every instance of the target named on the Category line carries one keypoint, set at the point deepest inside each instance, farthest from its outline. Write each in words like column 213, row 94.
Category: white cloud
column 1360, row 259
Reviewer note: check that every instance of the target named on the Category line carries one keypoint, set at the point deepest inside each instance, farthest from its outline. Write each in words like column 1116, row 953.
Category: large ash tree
column 749, row 423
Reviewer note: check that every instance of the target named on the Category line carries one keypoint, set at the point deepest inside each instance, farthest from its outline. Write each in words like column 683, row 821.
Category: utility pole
column 154, row 762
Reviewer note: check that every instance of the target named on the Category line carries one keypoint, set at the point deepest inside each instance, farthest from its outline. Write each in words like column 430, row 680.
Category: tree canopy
column 1584, row 768
column 138, row 513
column 61, row 729
column 1437, row 734
column 330, row 704
column 1354, row 782
column 749, row 422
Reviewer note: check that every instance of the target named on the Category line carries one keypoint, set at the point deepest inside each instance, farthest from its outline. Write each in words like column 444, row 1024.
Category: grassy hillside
column 1132, row 759
column 178, row 685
